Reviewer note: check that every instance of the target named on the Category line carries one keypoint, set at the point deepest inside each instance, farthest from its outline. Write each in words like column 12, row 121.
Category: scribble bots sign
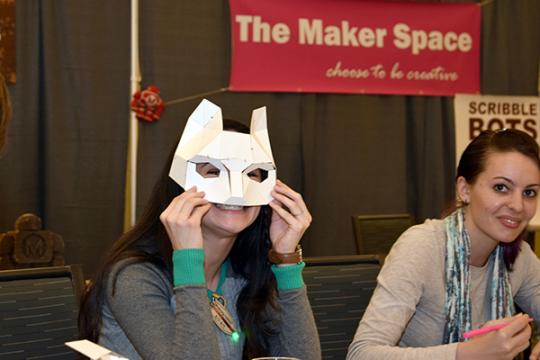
column 354, row 47
column 475, row 113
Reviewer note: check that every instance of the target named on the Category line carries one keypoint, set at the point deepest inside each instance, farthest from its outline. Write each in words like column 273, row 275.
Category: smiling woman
column 193, row 279
column 446, row 277
column 500, row 201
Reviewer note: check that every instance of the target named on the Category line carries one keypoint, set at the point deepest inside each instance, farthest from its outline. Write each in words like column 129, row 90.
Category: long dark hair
column 473, row 162
column 148, row 241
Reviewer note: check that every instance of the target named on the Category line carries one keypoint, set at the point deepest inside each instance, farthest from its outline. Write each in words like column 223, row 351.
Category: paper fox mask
column 234, row 157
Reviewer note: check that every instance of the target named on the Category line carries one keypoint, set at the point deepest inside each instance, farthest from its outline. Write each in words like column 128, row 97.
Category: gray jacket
column 148, row 319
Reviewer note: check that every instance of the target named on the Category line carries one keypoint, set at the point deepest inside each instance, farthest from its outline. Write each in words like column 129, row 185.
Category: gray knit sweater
column 405, row 318
column 148, row 319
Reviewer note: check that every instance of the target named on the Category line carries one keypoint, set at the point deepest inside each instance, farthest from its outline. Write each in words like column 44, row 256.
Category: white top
column 405, row 318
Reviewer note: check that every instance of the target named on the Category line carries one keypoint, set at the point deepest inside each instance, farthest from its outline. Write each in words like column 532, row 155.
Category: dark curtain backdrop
column 347, row 154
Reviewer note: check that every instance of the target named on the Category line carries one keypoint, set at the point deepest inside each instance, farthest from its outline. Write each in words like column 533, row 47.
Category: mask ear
column 259, row 130
column 203, row 125
column 463, row 189
column 206, row 121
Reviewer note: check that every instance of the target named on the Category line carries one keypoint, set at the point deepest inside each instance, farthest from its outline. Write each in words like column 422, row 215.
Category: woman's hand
column 502, row 344
column 535, row 353
column 182, row 219
column 290, row 218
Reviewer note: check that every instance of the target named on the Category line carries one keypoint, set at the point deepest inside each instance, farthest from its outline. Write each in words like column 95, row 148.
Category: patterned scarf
column 458, row 281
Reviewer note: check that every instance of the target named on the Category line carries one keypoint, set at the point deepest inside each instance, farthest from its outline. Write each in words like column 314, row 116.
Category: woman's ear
column 463, row 190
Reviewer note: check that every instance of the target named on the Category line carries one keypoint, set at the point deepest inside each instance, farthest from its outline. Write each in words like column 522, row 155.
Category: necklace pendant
column 220, row 315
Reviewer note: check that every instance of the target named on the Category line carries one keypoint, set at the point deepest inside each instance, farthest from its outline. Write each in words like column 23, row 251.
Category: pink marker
column 486, row 329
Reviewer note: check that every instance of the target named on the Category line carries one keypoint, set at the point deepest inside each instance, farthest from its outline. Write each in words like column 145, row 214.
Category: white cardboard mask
column 234, row 154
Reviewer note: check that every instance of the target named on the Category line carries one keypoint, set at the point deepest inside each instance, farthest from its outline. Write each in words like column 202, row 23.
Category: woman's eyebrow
column 503, row 178
column 511, row 182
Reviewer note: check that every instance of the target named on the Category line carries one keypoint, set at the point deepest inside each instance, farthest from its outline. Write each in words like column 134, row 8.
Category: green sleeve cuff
column 188, row 267
column 289, row 277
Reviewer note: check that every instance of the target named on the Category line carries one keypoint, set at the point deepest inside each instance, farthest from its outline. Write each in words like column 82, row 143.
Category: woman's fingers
column 289, row 203
column 535, row 353
column 518, row 333
column 284, row 190
column 199, row 212
column 176, row 203
column 522, row 338
column 284, row 214
column 292, row 216
column 182, row 206
column 190, row 204
column 516, row 324
column 292, row 200
column 182, row 219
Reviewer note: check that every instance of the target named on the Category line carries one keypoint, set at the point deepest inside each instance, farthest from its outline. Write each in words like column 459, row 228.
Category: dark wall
column 347, row 154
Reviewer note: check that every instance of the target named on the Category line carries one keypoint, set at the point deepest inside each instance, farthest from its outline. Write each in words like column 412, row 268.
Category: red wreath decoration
column 147, row 104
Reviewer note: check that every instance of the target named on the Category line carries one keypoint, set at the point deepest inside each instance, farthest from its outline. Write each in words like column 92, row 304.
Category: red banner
column 354, row 46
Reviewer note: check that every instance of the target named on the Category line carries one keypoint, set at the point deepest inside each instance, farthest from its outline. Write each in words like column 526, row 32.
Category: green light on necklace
column 235, row 336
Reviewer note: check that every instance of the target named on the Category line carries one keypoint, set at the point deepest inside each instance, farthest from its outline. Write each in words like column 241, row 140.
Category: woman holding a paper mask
column 193, row 279
column 445, row 279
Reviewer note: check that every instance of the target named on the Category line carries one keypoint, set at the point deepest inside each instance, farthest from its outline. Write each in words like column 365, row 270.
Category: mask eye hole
column 207, row 170
column 258, row 174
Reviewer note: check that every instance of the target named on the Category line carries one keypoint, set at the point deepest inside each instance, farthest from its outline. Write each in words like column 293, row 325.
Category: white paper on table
column 94, row 351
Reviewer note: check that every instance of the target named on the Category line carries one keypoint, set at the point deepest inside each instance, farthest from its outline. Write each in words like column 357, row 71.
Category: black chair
column 339, row 289
column 38, row 312
column 375, row 234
